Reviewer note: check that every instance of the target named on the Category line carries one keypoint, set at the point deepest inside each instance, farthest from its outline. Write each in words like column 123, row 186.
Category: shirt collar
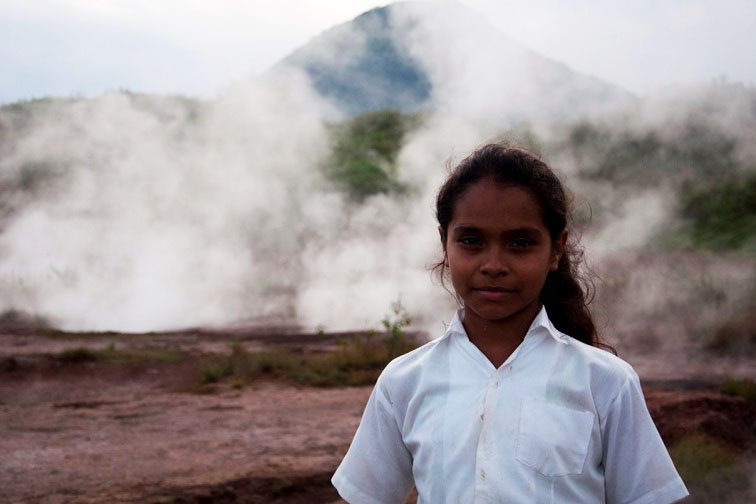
column 541, row 323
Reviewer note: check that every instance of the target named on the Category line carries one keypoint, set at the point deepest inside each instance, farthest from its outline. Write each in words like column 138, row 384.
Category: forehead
column 487, row 204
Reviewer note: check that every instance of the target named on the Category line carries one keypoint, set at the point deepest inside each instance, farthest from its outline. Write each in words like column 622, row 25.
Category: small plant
column 242, row 363
column 395, row 324
column 215, row 371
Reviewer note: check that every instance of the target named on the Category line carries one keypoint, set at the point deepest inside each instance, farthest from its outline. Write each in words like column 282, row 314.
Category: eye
column 521, row 243
column 470, row 241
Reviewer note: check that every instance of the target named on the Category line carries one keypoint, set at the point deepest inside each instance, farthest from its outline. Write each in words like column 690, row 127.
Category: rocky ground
column 145, row 432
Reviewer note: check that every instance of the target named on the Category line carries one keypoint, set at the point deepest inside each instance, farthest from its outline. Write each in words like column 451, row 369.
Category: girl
column 516, row 402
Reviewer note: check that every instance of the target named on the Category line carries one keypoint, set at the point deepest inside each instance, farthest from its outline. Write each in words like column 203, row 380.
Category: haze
column 199, row 48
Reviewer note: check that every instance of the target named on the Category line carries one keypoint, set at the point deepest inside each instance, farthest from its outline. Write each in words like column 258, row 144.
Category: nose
column 494, row 263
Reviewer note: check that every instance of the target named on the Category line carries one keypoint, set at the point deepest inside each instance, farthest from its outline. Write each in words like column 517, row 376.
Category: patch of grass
column 145, row 355
column 356, row 361
column 112, row 354
column 698, row 457
column 215, row 370
column 745, row 388
column 61, row 334
column 78, row 355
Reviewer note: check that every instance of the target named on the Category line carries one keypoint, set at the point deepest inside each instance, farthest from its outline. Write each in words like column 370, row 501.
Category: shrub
column 395, row 324
column 215, row 371
column 697, row 457
column 721, row 214
column 745, row 388
column 363, row 156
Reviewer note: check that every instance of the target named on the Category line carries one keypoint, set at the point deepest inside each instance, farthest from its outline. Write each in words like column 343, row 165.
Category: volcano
column 416, row 56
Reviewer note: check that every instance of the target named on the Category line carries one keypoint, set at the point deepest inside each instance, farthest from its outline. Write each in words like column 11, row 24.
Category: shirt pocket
column 553, row 439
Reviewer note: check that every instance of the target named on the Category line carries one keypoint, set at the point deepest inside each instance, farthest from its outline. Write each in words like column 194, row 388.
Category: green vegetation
column 696, row 158
column 112, row 354
column 78, row 355
column 364, row 152
column 696, row 152
column 698, row 457
column 395, row 323
column 75, row 335
column 722, row 213
column 357, row 360
column 692, row 155
column 745, row 388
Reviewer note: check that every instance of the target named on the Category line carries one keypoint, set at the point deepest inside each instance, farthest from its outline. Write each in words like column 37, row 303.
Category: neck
column 497, row 339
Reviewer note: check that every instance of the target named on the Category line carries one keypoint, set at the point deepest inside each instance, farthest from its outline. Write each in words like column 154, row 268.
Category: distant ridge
column 410, row 55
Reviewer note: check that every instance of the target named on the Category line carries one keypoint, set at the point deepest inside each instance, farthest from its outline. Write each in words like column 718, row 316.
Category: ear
column 557, row 251
column 442, row 235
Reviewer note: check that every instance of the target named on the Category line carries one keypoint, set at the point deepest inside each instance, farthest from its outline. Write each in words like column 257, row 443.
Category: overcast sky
column 198, row 47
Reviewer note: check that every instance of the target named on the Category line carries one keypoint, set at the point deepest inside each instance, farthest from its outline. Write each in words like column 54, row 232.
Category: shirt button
column 482, row 416
column 496, row 384
column 482, row 474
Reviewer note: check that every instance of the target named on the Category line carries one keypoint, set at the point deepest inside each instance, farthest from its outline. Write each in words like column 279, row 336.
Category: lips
column 493, row 293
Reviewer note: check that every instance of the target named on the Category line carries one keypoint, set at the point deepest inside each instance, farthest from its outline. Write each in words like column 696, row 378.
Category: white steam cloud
column 148, row 214
column 160, row 219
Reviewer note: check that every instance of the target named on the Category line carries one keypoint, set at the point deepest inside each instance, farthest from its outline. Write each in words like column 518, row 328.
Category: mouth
column 493, row 293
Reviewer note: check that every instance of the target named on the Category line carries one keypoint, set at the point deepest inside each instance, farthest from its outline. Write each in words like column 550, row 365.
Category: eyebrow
column 465, row 228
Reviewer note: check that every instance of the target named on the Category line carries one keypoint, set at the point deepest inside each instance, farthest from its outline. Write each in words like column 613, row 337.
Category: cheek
column 458, row 261
column 458, row 268
column 537, row 271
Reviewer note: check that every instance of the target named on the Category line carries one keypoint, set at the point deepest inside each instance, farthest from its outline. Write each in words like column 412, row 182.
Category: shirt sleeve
column 637, row 465
column 378, row 467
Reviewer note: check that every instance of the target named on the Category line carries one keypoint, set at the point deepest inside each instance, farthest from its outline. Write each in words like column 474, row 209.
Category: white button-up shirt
column 559, row 421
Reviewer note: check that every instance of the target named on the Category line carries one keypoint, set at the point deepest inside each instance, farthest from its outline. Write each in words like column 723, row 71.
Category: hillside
column 415, row 56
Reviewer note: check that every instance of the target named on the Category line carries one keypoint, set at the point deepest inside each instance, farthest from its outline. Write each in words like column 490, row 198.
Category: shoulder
column 601, row 361
column 607, row 375
column 580, row 363
column 406, row 373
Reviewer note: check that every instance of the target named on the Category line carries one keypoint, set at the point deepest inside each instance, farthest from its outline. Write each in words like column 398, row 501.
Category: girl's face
column 499, row 253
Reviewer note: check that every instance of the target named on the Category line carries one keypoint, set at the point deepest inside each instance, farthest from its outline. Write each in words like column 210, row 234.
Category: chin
column 495, row 315
column 498, row 313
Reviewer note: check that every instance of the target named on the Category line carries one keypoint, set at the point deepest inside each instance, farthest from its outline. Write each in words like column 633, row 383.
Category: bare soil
column 141, row 432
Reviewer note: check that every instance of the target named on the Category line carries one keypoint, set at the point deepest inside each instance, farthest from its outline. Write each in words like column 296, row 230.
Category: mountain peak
column 361, row 65
column 414, row 55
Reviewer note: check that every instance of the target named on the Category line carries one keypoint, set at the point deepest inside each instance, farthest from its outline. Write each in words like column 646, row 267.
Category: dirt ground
column 106, row 432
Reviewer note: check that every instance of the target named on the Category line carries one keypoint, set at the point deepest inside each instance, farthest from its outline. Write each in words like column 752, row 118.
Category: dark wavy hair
column 566, row 293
